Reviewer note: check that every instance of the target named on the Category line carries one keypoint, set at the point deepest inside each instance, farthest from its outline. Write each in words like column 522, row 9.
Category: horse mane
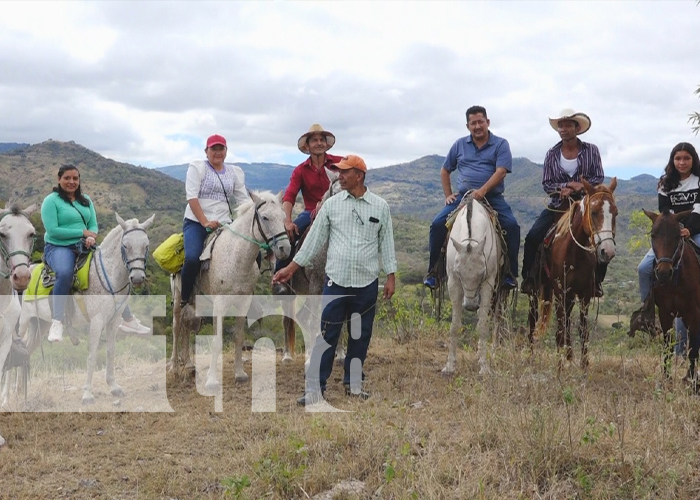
column 243, row 208
column 12, row 206
column 564, row 222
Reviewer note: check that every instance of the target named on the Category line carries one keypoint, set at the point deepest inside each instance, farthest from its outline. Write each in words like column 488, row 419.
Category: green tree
column 640, row 226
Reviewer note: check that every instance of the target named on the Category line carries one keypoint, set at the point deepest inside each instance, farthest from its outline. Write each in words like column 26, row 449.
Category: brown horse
column 585, row 235
column 676, row 283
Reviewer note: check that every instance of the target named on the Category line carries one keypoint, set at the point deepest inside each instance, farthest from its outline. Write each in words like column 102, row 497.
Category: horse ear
column 587, row 186
column 147, row 223
column 331, row 174
column 652, row 215
column 256, row 199
column 120, row 221
column 613, row 184
column 280, row 195
column 31, row 209
column 459, row 246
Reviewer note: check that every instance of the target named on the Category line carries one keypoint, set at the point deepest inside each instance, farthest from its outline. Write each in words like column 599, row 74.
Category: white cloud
column 147, row 82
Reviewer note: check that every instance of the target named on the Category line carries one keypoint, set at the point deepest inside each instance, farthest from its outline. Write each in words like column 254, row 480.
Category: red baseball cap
column 216, row 139
column 351, row 161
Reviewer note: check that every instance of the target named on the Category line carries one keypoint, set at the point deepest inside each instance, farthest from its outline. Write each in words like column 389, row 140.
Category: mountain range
column 412, row 189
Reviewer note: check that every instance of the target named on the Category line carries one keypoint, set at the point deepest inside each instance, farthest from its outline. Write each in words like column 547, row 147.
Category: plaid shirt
column 554, row 178
column 360, row 238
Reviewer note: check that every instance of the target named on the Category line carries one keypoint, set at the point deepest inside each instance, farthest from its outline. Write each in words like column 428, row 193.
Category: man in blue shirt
column 482, row 161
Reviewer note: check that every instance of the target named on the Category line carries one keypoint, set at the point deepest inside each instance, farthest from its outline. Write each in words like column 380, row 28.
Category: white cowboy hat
column 315, row 129
column 584, row 122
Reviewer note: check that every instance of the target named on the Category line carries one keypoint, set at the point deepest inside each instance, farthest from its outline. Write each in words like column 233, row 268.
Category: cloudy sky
column 146, row 82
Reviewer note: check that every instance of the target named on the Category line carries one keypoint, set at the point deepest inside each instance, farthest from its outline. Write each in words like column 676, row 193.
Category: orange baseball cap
column 351, row 161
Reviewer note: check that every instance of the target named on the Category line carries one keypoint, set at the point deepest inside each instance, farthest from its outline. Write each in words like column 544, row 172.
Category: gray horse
column 16, row 244
column 232, row 271
column 309, row 281
column 118, row 263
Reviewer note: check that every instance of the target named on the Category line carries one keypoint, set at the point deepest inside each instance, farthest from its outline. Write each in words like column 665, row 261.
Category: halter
column 267, row 243
column 591, row 239
column 125, row 260
column 7, row 255
column 674, row 260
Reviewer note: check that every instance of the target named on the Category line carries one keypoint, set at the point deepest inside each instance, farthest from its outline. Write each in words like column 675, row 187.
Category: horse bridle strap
column 125, row 258
column 271, row 240
column 675, row 258
column 7, row 256
column 593, row 245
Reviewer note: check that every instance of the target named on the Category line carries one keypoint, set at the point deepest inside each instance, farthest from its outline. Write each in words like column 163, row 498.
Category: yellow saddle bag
column 170, row 255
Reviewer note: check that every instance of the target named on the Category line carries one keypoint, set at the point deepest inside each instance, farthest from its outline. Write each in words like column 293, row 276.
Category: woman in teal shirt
column 71, row 229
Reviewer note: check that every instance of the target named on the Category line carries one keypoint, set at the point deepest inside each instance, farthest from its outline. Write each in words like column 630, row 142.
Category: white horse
column 117, row 264
column 474, row 259
column 16, row 243
column 309, row 281
column 232, row 271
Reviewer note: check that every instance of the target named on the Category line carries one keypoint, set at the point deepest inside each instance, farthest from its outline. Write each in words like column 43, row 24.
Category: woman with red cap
column 212, row 188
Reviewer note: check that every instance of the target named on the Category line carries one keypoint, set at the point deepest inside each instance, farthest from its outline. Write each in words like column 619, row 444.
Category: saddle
column 210, row 241
column 43, row 278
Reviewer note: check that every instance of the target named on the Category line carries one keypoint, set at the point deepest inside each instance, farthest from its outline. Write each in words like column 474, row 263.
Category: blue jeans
column 438, row 231
column 303, row 221
column 335, row 314
column 61, row 259
column 194, row 236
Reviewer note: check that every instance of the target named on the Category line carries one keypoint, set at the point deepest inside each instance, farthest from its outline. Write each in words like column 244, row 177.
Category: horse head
column 599, row 212
column 17, row 238
column 268, row 223
column 134, row 247
column 334, row 187
column 667, row 243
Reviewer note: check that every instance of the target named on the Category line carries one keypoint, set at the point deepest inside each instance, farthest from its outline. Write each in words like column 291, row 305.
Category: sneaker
column 360, row 394
column 430, row 281
column 509, row 283
column 134, row 326
column 310, row 398
column 56, row 331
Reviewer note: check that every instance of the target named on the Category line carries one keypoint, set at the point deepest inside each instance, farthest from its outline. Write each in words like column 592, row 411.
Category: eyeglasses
column 357, row 217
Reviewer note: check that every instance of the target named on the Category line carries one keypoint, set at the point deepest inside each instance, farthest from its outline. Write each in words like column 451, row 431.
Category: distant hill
column 9, row 146
column 270, row 176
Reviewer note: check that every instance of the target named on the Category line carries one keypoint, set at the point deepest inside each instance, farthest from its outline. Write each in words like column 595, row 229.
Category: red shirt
column 312, row 183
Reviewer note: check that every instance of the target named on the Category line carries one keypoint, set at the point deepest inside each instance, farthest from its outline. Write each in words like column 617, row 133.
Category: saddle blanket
column 38, row 290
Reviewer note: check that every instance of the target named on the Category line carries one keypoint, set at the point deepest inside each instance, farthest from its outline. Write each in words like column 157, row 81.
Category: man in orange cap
column 310, row 178
column 356, row 225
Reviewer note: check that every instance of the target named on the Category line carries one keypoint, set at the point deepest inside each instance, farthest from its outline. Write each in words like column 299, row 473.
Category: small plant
column 234, row 486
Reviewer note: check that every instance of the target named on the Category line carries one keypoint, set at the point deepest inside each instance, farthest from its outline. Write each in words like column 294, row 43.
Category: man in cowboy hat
column 565, row 164
column 310, row 178
column 482, row 161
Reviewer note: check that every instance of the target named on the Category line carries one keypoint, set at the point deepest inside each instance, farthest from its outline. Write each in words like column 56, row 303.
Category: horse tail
column 545, row 299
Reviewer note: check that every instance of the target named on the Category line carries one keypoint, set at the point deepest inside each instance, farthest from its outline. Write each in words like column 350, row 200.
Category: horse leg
column 482, row 327
column 694, row 347
column 583, row 331
column 111, row 332
column 212, row 384
column 96, row 327
column 569, row 307
column 666, row 320
column 240, row 374
column 290, row 331
column 456, row 297
column 532, row 318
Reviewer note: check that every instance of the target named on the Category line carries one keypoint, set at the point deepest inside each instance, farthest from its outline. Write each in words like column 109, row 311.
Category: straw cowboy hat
column 315, row 129
column 584, row 122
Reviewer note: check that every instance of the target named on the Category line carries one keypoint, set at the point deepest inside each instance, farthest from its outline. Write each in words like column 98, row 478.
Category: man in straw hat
column 356, row 225
column 565, row 164
column 482, row 161
column 310, row 178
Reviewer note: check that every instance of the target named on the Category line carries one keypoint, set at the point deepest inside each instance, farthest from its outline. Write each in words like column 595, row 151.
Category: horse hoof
column 118, row 392
column 445, row 372
column 286, row 358
column 2, row 442
column 88, row 400
column 212, row 386
column 242, row 378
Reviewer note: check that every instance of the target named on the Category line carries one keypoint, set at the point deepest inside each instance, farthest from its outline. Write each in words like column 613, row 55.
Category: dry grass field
column 530, row 431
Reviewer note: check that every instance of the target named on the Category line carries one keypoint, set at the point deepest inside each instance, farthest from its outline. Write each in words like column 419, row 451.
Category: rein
column 7, row 255
column 125, row 259
column 267, row 243
column 676, row 257
column 591, row 238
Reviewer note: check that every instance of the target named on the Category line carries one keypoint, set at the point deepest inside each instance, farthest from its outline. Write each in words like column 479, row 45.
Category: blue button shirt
column 476, row 166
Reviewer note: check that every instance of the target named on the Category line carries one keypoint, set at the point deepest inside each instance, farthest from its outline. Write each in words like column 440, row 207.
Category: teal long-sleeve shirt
column 63, row 222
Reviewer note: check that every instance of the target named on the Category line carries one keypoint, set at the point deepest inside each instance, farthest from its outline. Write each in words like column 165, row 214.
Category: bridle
column 268, row 242
column 7, row 256
column 593, row 246
column 127, row 262
column 674, row 260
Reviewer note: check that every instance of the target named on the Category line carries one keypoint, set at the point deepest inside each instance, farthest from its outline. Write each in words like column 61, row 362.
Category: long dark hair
column 671, row 178
column 79, row 197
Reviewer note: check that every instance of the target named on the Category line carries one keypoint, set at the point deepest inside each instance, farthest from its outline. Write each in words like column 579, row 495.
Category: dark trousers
column 303, row 221
column 336, row 313
column 438, row 231
column 194, row 236
column 534, row 239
